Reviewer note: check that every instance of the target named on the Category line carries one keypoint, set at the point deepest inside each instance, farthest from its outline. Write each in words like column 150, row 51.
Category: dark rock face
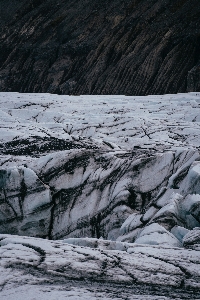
column 108, row 47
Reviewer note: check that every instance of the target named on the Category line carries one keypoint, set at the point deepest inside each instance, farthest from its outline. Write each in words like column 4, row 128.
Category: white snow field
column 99, row 197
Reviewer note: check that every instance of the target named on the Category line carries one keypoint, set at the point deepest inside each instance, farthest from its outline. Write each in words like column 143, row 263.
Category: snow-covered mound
column 107, row 172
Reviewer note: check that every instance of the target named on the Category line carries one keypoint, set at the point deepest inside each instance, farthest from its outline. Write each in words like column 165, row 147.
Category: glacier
column 100, row 190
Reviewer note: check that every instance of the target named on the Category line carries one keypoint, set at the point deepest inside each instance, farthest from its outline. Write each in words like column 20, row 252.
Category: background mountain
column 127, row 47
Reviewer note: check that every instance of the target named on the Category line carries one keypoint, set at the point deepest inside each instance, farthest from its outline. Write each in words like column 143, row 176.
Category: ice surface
column 55, row 269
column 123, row 168
column 179, row 232
column 157, row 121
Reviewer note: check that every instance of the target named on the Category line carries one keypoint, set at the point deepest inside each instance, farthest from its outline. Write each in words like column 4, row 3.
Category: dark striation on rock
column 132, row 47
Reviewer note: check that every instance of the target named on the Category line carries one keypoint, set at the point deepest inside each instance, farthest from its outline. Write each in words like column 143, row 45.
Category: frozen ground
column 116, row 180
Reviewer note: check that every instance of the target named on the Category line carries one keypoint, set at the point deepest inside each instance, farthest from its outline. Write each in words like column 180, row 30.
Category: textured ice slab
column 29, row 264
column 74, row 291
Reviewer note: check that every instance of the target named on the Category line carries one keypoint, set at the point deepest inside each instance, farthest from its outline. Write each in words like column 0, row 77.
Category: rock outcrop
column 109, row 47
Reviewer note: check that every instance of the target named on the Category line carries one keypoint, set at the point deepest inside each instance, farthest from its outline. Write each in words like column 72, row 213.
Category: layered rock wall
column 110, row 47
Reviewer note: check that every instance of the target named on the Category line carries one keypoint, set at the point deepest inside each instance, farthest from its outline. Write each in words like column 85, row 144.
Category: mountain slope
column 108, row 47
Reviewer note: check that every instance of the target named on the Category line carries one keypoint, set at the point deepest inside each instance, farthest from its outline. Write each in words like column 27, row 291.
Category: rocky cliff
column 132, row 47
